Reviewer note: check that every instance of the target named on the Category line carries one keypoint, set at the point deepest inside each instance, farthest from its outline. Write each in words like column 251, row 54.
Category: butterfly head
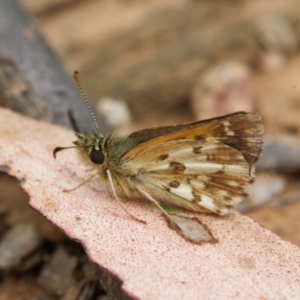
column 89, row 146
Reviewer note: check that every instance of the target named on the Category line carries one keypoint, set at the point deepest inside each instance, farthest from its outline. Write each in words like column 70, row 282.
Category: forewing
column 241, row 131
column 198, row 175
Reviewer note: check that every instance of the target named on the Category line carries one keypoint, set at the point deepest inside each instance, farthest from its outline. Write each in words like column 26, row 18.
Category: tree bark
column 32, row 80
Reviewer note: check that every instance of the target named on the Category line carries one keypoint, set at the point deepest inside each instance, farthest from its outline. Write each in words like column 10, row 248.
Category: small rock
column 223, row 89
column 74, row 291
column 104, row 297
column 265, row 187
column 57, row 276
column 115, row 112
column 280, row 155
column 3, row 209
column 89, row 271
column 31, row 261
column 20, row 241
column 273, row 61
column 275, row 32
column 45, row 6
column 19, row 289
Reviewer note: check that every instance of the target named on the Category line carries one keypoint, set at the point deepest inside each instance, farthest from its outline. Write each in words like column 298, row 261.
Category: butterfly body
column 204, row 166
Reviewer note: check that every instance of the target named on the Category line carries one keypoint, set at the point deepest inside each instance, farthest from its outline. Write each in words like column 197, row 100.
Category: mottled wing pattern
column 241, row 131
column 197, row 175
column 203, row 168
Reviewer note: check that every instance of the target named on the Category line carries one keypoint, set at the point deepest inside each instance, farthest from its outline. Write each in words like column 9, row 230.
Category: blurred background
column 154, row 63
column 180, row 60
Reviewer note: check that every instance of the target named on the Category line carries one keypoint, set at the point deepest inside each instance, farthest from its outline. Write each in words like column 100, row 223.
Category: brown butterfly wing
column 241, row 131
column 199, row 175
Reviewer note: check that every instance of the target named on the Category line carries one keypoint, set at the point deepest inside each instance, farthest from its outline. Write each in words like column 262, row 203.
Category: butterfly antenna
column 75, row 76
column 57, row 149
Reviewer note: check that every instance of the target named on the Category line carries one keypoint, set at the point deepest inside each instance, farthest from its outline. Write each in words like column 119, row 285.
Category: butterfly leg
column 119, row 200
column 155, row 202
column 81, row 184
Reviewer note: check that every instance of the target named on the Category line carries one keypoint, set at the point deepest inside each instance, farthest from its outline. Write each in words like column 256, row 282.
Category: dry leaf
column 153, row 261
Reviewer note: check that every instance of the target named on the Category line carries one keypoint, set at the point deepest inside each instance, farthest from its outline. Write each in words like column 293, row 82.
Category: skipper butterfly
column 204, row 166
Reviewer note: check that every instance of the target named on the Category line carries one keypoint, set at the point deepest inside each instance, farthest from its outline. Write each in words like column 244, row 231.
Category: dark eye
column 97, row 156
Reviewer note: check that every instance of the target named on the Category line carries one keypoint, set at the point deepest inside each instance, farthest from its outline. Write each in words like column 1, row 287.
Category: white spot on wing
column 158, row 166
column 234, row 169
column 183, row 191
column 201, row 167
column 226, row 128
column 235, row 200
column 181, row 152
column 203, row 178
column 232, row 183
column 207, row 202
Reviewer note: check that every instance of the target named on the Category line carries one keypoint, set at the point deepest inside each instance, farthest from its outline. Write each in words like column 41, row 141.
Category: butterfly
column 204, row 166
